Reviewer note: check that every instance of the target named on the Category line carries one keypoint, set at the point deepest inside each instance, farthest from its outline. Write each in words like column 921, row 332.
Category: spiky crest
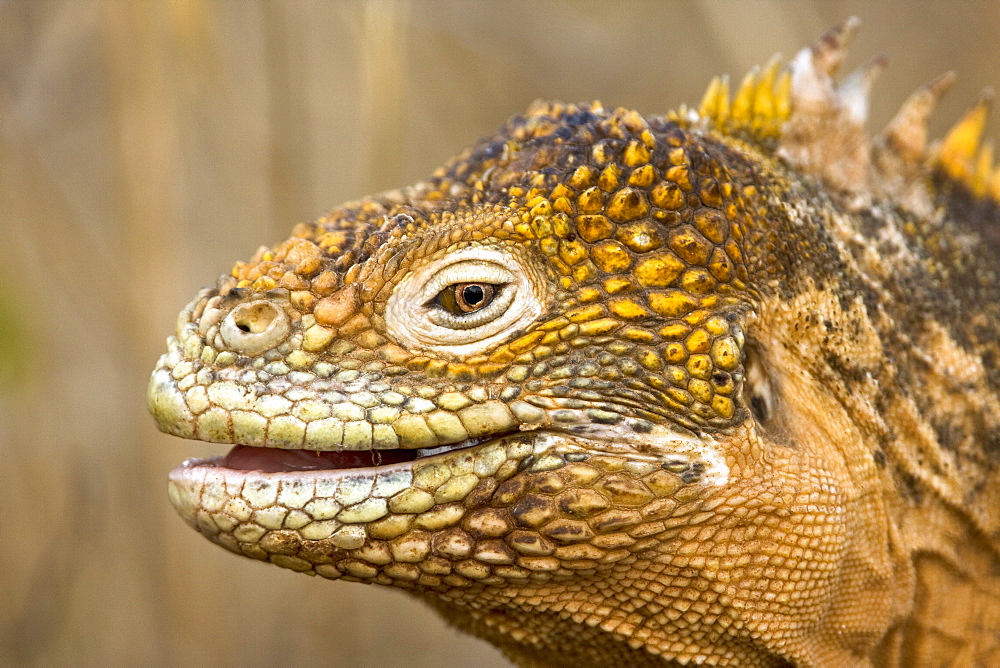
column 818, row 125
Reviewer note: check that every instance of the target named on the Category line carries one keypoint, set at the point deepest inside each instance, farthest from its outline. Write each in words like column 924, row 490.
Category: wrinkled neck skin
column 734, row 554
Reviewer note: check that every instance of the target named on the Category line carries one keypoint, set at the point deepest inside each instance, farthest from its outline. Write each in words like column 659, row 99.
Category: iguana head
column 548, row 390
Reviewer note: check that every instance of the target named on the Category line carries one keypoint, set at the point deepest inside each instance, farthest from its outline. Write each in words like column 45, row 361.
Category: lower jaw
column 211, row 494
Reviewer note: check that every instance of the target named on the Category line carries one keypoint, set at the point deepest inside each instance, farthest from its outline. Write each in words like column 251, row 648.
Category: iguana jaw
column 323, row 521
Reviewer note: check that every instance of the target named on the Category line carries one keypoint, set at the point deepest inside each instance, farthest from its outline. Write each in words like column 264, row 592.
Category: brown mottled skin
column 771, row 389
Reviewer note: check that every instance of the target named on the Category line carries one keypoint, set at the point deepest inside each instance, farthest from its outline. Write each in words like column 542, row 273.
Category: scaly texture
column 718, row 387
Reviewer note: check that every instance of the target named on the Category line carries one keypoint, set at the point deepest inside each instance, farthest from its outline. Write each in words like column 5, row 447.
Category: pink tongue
column 274, row 460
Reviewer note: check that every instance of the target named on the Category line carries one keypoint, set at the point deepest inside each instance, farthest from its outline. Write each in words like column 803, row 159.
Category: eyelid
column 414, row 321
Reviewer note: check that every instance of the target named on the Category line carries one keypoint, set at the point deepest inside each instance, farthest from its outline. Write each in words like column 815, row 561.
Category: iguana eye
column 462, row 298
column 466, row 300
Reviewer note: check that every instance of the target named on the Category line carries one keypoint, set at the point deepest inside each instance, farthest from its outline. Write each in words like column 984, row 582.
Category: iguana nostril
column 254, row 327
column 254, row 318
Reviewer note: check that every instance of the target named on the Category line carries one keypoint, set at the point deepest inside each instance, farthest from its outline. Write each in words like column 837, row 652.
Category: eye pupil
column 473, row 294
column 466, row 298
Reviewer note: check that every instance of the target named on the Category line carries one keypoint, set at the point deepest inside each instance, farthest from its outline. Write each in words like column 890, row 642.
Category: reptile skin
column 717, row 387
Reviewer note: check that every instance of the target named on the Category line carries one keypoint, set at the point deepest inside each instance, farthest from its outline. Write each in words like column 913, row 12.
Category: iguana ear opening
column 757, row 390
column 762, row 394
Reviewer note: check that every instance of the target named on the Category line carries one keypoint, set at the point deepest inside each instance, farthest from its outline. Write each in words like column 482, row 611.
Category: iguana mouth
column 280, row 460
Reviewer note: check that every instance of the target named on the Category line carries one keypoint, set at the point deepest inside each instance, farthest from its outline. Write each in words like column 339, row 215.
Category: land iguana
column 716, row 387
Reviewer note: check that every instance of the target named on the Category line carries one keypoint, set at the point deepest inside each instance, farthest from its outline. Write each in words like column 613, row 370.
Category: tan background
column 145, row 146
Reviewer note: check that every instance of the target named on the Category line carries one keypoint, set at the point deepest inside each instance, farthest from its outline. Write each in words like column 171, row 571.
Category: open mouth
column 279, row 460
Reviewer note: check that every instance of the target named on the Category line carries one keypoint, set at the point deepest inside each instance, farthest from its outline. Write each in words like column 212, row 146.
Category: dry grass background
column 145, row 146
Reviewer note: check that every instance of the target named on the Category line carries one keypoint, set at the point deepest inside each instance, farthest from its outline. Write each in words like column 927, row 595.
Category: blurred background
column 145, row 146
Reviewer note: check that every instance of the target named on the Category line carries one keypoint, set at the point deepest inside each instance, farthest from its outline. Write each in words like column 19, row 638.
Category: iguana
column 716, row 387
